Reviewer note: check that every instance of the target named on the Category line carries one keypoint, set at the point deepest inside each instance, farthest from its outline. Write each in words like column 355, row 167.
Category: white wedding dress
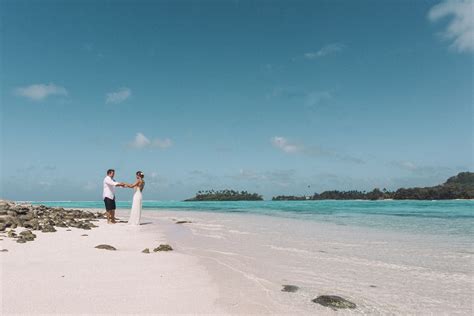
column 136, row 207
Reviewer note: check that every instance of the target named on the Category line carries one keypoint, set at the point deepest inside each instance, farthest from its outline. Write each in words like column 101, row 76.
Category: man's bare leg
column 112, row 215
column 108, row 215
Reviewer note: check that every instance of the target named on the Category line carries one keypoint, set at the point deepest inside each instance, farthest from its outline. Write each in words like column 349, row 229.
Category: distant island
column 460, row 186
column 225, row 195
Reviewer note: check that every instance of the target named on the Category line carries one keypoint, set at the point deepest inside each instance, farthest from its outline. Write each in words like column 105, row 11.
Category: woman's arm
column 132, row 185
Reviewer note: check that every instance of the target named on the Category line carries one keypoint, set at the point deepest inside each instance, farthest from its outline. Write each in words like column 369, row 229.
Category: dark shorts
column 109, row 204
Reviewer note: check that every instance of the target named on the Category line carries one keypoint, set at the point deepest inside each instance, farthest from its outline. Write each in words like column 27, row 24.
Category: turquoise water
column 453, row 217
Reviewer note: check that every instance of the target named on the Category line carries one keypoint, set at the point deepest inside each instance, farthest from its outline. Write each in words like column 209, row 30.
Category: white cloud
column 200, row 175
column 425, row 170
column 285, row 145
column 316, row 98
column 460, row 29
column 38, row 92
column 248, row 175
column 291, row 147
column 161, row 143
column 283, row 178
column 269, row 67
column 324, row 51
column 141, row 141
column 158, row 181
column 118, row 96
column 406, row 165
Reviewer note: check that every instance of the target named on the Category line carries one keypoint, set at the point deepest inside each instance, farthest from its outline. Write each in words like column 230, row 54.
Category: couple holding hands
column 109, row 196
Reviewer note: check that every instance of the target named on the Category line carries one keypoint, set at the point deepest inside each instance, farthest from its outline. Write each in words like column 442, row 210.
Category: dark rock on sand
column 4, row 206
column 84, row 235
column 85, row 226
column 146, row 250
column 183, row 222
column 163, row 248
column 105, row 247
column 7, row 221
column 290, row 288
column 25, row 236
column 4, row 250
column 48, row 229
column 26, row 217
column 33, row 224
column 334, row 302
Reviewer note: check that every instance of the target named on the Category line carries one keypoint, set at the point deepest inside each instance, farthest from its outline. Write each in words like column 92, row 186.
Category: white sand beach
column 62, row 273
column 233, row 264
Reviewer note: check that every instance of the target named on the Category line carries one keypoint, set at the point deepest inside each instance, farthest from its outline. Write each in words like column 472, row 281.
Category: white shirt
column 109, row 188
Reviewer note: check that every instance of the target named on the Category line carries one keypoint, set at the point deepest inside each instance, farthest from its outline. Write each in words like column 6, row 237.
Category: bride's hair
column 140, row 174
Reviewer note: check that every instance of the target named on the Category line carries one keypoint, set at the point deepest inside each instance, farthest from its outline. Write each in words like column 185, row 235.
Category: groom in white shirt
column 109, row 195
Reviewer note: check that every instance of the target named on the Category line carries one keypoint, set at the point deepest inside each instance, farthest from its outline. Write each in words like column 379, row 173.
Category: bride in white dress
column 137, row 199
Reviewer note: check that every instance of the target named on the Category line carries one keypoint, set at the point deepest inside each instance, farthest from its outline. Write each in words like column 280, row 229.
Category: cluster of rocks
column 40, row 218
column 161, row 247
column 332, row 301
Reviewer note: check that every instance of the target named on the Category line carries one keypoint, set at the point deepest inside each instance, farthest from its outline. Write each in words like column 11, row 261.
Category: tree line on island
column 225, row 195
column 460, row 186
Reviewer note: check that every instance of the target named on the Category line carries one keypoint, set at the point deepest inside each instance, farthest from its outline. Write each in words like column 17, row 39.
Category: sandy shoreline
column 381, row 271
column 233, row 264
column 62, row 273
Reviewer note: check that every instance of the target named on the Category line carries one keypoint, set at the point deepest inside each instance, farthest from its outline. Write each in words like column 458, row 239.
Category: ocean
column 449, row 218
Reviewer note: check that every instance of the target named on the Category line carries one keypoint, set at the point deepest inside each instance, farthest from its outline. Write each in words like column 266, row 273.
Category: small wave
column 290, row 249
column 195, row 233
column 224, row 253
column 211, row 227
column 233, row 231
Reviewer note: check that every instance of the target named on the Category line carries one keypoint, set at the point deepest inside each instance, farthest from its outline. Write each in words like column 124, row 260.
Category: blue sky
column 267, row 96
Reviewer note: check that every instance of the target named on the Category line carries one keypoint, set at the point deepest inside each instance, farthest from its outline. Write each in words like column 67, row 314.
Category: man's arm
column 109, row 181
